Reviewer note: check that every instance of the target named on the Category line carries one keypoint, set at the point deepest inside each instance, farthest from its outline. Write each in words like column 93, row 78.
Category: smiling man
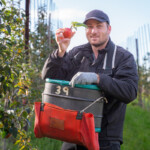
column 99, row 62
column 97, row 34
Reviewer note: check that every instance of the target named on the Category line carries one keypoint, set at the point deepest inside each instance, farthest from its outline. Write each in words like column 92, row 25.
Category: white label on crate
column 64, row 90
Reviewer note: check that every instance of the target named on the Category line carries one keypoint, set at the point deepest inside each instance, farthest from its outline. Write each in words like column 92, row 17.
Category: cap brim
column 95, row 18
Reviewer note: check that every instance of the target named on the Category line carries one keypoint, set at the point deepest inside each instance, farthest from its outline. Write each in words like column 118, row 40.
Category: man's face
column 97, row 32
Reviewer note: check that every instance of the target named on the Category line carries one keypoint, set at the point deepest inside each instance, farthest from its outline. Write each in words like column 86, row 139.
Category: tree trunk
column 27, row 30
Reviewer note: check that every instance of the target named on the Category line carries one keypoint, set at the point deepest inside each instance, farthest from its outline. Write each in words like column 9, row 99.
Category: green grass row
column 136, row 129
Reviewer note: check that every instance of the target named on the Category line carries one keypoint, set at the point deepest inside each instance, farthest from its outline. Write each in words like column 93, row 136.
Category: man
column 99, row 62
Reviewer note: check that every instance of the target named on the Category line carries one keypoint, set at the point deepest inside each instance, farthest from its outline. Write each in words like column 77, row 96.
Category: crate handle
column 100, row 98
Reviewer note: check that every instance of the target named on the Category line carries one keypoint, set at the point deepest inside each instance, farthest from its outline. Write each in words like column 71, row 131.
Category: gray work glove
column 84, row 78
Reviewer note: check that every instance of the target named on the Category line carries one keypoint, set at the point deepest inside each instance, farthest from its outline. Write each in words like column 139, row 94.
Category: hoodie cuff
column 102, row 80
column 55, row 58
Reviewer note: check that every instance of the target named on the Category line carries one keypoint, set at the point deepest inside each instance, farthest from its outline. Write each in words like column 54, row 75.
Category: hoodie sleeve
column 124, row 83
column 61, row 68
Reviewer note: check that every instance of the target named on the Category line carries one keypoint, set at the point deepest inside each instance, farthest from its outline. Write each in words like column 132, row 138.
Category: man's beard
column 98, row 45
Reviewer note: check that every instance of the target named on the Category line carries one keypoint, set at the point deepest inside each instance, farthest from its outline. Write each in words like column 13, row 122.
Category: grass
column 136, row 132
column 45, row 143
column 136, row 129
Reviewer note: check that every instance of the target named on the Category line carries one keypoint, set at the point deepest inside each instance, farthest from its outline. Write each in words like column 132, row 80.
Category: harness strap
column 109, row 59
column 114, row 56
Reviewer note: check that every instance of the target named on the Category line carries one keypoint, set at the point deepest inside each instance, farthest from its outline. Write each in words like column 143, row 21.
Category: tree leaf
column 24, row 114
column 14, row 132
column 1, row 125
column 8, row 29
column 3, row 134
column 3, row 1
column 22, row 147
column 18, row 141
column 2, row 78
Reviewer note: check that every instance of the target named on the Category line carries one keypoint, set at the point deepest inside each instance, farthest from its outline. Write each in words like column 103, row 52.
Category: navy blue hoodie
column 118, row 80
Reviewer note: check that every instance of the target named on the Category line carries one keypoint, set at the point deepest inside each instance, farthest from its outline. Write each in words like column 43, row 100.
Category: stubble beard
column 98, row 44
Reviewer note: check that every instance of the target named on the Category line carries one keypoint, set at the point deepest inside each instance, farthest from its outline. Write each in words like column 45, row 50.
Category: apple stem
column 73, row 26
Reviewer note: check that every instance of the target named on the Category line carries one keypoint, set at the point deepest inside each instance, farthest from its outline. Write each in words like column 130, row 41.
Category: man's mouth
column 94, row 37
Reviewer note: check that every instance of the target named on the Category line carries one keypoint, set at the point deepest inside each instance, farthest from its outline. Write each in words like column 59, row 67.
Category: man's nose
column 94, row 30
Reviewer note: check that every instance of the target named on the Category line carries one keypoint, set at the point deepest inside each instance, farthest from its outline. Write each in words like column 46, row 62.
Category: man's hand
column 62, row 42
column 84, row 78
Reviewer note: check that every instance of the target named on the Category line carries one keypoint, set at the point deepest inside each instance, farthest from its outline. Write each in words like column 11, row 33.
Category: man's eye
column 89, row 27
column 99, row 26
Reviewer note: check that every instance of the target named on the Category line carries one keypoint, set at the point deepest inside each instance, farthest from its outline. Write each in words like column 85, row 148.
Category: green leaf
column 14, row 103
column 24, row 114
column 2, row 47
column 5, row 88
column 3, row 134
column 2, row 78
column 77, row 24
column 18, row 141
column 1, row 125
column 3, row 1
column 8, row 13
column 8, row 29
column 22, row 147
column 14, row 132
column 1, row 26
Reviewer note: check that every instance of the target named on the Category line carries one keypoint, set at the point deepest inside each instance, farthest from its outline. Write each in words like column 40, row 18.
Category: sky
column 126, row 16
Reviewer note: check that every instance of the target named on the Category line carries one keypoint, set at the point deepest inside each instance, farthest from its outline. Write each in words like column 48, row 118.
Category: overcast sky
column 126, row 16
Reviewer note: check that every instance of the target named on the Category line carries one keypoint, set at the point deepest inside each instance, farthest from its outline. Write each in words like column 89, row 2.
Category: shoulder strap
column 109, row 60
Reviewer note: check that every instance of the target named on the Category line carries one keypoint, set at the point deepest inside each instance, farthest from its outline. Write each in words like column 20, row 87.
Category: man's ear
column 109, row 29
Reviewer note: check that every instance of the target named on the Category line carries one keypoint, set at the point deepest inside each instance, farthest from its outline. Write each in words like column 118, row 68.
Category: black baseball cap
column 97, row 15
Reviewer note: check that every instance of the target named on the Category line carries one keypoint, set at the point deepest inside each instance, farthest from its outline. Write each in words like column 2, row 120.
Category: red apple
column 7, row 136
column 67, row 33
